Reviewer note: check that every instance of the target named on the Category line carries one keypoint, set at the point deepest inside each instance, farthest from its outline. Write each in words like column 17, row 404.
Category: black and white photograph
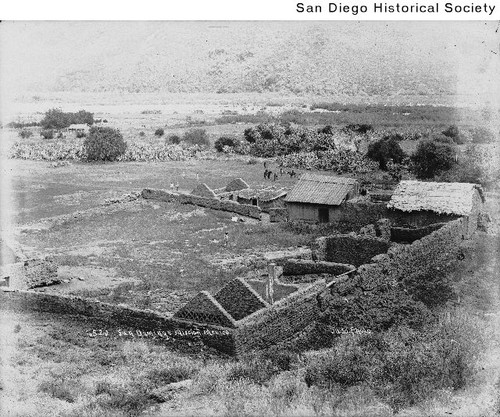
column 250, row 218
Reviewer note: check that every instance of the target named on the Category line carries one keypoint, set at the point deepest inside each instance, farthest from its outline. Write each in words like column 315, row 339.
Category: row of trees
column 432, row 156
column 57, row 119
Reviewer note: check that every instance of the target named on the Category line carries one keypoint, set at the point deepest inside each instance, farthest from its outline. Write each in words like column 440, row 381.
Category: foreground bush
column 104, row 144
column 402, row 366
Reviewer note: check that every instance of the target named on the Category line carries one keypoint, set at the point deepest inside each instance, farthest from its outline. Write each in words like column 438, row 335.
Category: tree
column 432, row 158
column 384, row 150
column 55, row 119
column 104, row 144
column 159, row 132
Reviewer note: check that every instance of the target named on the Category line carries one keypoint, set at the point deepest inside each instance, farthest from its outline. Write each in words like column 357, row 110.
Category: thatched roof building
column 418, row 203
column 440, row 197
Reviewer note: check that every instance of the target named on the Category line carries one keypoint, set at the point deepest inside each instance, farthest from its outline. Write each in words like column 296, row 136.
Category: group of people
column 268, row 173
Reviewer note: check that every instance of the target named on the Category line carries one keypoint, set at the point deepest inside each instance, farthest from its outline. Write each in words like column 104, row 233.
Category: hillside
column 343, row 58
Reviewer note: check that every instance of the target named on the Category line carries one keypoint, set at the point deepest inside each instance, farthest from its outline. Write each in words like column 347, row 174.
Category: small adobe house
column 417, row 203
column 266, row 198
column 318, row 198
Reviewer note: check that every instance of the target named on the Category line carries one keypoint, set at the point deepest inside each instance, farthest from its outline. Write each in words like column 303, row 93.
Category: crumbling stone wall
column 409, row 235
column 358, row 213
column 349, row 249
column 31, row 273
column 304, row 267
column 220, row 338
column 214, row 204
column 377, row 297
column 278, row 214
column 279, row 322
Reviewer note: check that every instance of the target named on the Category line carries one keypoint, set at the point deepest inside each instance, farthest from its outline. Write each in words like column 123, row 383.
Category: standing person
column 265, row 165
column 281, row 171
column 265, row 173
column 226, row 239
column 171, row 186
column 177, row 186
column 275, row 176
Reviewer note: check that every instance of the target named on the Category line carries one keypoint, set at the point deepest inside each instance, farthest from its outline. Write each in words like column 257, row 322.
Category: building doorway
column 323, row 215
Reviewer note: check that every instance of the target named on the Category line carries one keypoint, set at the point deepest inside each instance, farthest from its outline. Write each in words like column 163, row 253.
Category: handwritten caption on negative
column 155, row 334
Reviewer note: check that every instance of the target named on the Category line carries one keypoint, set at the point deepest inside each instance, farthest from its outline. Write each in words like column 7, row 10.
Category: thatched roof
column 236, row 184
column 204, row 308
column 239, row 299
column 265, row 194
column 439, row 197
column 321, row 189
column 203, row 190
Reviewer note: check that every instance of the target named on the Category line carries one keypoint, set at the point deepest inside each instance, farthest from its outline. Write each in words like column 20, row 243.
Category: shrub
column 196, row 137
column 57, row 388
column 174, row 139
column 159, row 132
column 385, row 149
column 142, row 134
column 184, row 369
column 104, row 144
column 402, row 366
column 47, row 134
column 131, row 399
column 431, row 158
column 25, row 133
column 350, row 362
column 454, row 134
column 225, row 142
column 260, row 368
column 80, row 134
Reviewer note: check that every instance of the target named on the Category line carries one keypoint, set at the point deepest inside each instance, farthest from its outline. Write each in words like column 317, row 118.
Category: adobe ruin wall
column 279, row 322
column 220, row 338
column 375, row 295
column 212, row 203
